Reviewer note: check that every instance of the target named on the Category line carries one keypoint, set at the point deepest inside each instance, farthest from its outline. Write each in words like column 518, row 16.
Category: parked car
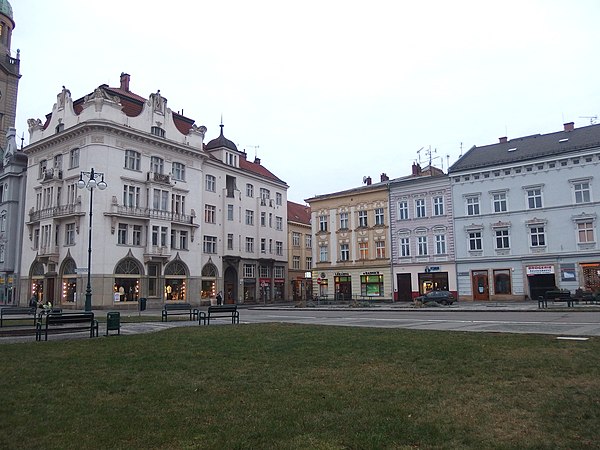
column 441, row 297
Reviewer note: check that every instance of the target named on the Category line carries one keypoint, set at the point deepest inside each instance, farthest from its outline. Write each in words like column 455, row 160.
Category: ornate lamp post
column 91, row 184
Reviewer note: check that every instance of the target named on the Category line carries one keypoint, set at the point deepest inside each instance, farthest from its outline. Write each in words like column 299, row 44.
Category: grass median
column 301, row 387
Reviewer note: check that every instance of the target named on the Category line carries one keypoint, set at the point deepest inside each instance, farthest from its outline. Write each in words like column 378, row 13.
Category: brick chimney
column 503, row 139
column 384, row 177
column 125, row 81
column 416, row 169
column 569, row 126
column 256, row 160
column 367, row 181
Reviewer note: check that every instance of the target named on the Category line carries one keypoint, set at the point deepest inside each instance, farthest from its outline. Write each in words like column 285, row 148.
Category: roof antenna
column 593, row 119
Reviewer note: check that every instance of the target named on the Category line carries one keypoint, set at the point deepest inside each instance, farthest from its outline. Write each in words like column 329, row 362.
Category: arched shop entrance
column 209, row 281
column 37, row 281
column 175, row 281
column 230, row 285
column 68, row 294
column 128, row 273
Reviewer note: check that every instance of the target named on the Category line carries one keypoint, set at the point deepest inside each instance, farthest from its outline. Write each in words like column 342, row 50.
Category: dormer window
column 158, row 131
column 231, row 159
column 60, row 127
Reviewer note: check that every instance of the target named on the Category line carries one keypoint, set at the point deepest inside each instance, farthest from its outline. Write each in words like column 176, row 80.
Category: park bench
column 560, row 295
column 223, row 311
column 17, row 312
column 66, row 323
column 171, row 309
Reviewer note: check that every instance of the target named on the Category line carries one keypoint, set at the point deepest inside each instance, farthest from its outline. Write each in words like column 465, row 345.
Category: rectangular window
column 249, row 245
column 278, row 198
column 502, row 239
column 210, row 183
column 178, row 204
column 279, row 248
column 263, row 219
column 137, row 235
column 132, row 160
column 538, row 236
column 263, row 245
column 362, row 219
column 295, row 239
column 279, row 223
column 422, row 245
column 323, row 254
column 582, row 192
column 403, row 210
column 229, row 241
column 344, row 221
column 379, row 218
column 152, row 279
column 404, row 247
column 163, row 236
column 210, row 244
column 585, row 232
column 308, row 240
column 534, row 198
column 70, row 234
column 440, row 244
column 156, row 165
column 249, row 190
column 473, row 205
column 322, row 223
column 420, row 208
column 499, row 202
column 363, row 250
column 155, row 232
column 502, row 283
column 210, row 212
column 161, row 200
column 308, row 263
column 249, row 271
column 475, row 241
column 296, row 263
column 265, row 194
column 438, row 206
column 71, row 194
column 178, row 171
column 131, row 196
column 183, row 240
column 122, row 234
column 74, row 158
column 344, row 252
column 230, row 212
column 380, row 249
column 249, row 217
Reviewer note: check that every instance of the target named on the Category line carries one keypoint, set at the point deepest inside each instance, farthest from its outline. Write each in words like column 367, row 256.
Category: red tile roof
column 298, row 213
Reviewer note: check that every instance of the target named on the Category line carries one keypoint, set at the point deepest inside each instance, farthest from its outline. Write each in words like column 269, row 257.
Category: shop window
column 502, row 284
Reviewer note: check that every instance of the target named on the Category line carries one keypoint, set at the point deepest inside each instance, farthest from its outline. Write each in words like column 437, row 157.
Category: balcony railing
column 56, row 211
column 159, row 177
column 132, row 211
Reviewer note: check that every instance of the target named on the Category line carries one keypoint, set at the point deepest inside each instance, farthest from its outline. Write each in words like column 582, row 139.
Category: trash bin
column 113, row 322
column 142, row 303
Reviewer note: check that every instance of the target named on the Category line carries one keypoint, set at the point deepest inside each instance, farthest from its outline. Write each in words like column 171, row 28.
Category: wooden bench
column 66, row 323
column 562, row 295
column 171, row 309
column 17, row 312
column 222, row 311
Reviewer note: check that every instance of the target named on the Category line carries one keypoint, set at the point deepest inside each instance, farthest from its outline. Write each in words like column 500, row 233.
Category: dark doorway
column 404, row 293
column 540, row 284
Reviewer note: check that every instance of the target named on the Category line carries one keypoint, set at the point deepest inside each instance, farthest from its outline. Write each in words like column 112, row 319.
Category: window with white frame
column 295, row 239
column 249, row 217
column 475, row 241
column 42, row 169
column 422, row 245
column 420, row 208
column 308, row 240
column 230, row 212
column 178, row 171
column 296, row 263
column 343, row 221
column 440, row 244
column 74, row 158
column 3, row 221
column 323, row 253
column 278, row 198
column 403, row 210
column 183, row 240
column 534, row 197
column 132, row 160
column 157, row 164
column 249, row 190
column 323, row 223
column 70, row 234
column 404, row 247
column 502, row 239
column 264, row 272
column 379, row 216
column 472, row 205
column 250, row 245
column 362, row 219
column 210, row 183
column 230, row 241
column 279, row 248
column 344, row 252
column 249, row 270
column 363, row 250
column 159, row 236
column 131, row 196
column 160, row 200
column 308, row 262
column 137, row 235
column 585, row 232
column 210, row 244
column 380, row 249
column 537, row 235
column 582, row 192
column 265, row 194
column 499, row 202
column 438, row 206
column 263, row 219
column 279, row 223
column 178, row 203
column 122, row 234
column 210, row 213
column 263, row 245
column 2, row 252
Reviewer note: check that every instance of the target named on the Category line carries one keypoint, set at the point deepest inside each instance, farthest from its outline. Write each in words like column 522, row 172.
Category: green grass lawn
column 276, row 386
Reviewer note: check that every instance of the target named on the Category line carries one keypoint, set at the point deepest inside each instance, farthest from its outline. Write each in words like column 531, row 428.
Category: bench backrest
column 177, row 306
column 224, row 308
column 551, row 295
column 17, row 310
column 59, row 318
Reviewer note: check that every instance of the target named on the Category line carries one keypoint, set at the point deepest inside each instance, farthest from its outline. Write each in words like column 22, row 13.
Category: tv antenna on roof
column 255, row 147
column 593, row 119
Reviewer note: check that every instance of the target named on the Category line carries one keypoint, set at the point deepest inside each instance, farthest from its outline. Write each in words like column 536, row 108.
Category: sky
column 326, row 92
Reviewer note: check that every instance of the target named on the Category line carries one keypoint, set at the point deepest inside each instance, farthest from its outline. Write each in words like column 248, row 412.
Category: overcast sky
column 326, row 92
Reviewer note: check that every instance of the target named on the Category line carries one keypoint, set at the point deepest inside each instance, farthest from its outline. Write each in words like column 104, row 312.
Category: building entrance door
column 404, row 286
column 481, row 291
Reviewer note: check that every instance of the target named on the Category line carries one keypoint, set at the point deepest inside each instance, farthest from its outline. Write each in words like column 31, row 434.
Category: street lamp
column 91, row 184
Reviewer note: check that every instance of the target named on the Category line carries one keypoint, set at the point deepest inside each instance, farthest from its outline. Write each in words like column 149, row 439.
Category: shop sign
column 567, row 272
column 371, row 273
column 541, row 269
column 432, row 269
column 463, row 274
column 341, row 274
